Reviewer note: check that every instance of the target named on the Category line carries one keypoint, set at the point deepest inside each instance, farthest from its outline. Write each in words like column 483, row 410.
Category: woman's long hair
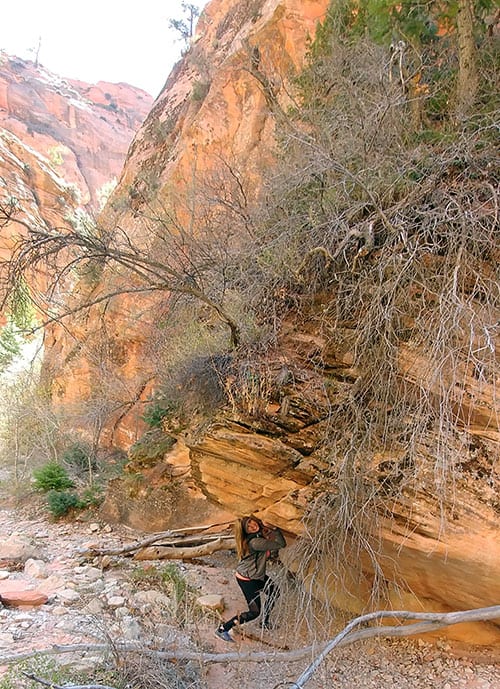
column 241, row 535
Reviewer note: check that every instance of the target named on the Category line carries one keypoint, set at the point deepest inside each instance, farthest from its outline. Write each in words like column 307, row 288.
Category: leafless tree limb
column 164, row 552
column 427, row 622
column 176, row 537
column 45, row 683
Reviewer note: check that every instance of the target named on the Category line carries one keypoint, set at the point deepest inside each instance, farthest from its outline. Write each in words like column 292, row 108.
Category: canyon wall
column 435, row 551
column 81, row 131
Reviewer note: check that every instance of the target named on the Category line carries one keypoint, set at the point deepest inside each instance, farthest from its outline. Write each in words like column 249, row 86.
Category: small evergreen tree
column 51, row 476
column 185, row 26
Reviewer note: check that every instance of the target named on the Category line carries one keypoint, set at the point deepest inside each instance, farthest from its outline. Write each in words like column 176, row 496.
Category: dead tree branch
column 170, row 537
column 45, row 683
column 165, row 552
column 427, row 622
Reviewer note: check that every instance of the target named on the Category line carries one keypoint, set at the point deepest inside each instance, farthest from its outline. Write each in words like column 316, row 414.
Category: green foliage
column 105, row 191
column 200, row 90
column 175, row 581
column 386, row 20
column 150, row 447
column 51, row 476
column 425, row 32
column 185, row 26
column 52, row 673
column 21, row 316
column 38, row 666
column 79, row 457
column 167, row 578
column 21, row 309
column 92, row 497
column 170, row 580
column 10, row 346
column 159, row 409
column 61, row 502
column 55, row 154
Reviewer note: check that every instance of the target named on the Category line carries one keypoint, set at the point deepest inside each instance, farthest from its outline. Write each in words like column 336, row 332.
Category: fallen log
column 429, row 621
column 163, row 536
column 167, row 552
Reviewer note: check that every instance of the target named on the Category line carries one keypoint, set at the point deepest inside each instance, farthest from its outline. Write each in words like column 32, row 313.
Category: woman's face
column 252, row 526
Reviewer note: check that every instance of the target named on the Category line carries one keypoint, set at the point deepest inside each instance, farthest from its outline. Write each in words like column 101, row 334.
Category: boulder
column 23, row 598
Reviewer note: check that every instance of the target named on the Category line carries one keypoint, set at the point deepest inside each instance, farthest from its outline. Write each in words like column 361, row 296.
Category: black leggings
column 252, row 590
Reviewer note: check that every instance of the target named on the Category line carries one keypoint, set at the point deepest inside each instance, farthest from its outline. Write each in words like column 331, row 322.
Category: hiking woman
column 255, row 541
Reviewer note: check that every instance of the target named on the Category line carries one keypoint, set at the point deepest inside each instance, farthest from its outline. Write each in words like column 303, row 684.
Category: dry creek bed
column 87, row 605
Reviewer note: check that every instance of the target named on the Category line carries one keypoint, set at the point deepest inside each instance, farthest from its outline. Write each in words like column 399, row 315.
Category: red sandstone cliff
column 82, row 130
column 273, row 464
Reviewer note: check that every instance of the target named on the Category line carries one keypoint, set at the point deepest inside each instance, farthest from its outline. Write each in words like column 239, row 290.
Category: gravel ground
column 373, row 664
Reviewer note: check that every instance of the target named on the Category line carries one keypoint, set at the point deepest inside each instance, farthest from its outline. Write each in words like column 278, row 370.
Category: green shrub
column 79, row 457
column 60, row 503
column 92, row 497
column 157, row 411
column 51, row 476
column 153, row 415
column 200, row 91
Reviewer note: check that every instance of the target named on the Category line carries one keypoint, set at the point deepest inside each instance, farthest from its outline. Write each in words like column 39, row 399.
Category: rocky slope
column 272, row 462
column 64, row 129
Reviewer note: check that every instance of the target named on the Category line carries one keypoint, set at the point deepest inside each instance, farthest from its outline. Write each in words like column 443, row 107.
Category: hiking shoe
column 225, row 636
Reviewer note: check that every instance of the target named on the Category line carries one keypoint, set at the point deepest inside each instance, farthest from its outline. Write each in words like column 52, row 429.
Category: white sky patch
column 98, row 40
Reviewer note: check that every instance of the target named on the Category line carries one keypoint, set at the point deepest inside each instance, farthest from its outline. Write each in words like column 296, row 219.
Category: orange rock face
column 82, row 130
column 18, row 599
column 213, row 106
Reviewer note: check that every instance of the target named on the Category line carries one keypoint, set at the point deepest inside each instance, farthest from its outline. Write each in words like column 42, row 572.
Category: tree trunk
column 467, row 71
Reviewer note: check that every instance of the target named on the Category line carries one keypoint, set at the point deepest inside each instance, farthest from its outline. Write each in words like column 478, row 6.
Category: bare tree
column 172, row 260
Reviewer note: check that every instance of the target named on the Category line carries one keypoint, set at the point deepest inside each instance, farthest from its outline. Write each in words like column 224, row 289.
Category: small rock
column 37, row 569
column 51, row 584
column 93, row 607
column 131, row 629
column 89, row 545
column 151, row 598
column 68, row 596
column 94, row 527
column 89, row 573
column 17, row 547
column 6, row 639
column 120, row 613
column 105, row 562
column 211, row 601
column 22, row 598
column 116, row 601
column 59, row 610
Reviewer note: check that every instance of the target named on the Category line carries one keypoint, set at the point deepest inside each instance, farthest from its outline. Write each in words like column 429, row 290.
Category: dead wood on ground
column 175, row 538
column 426, row 622
column 178, row 552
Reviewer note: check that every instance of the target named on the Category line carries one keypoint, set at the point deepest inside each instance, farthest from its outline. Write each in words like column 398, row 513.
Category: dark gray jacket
column 253, row 565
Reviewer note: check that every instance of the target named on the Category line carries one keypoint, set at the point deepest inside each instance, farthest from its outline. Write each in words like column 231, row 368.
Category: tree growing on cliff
column 385, row 226
column 185, row 26
column 187, row 247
